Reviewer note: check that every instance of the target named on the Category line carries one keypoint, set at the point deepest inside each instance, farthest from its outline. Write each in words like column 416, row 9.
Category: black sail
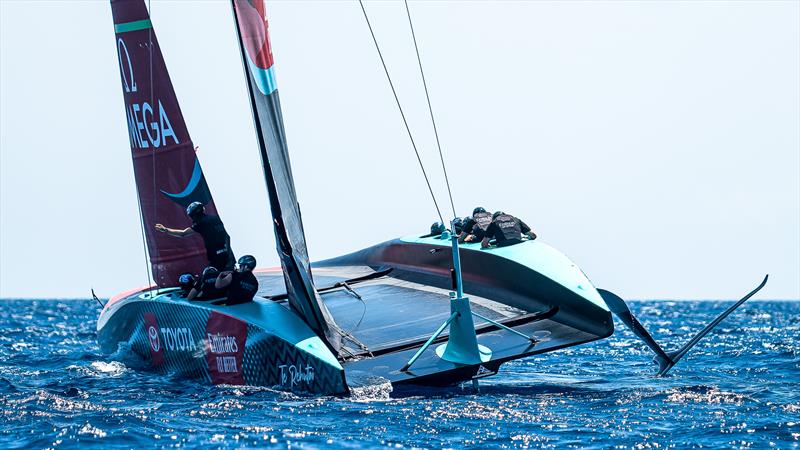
column 252, row 30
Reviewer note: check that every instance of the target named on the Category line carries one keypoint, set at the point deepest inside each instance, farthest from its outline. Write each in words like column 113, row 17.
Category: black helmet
column 195, row 209
column 477, row 210
column 437, row 228
column 186, row 280
column 497, row 213
column 247, row 261
column 458, row 225
column 209, row 271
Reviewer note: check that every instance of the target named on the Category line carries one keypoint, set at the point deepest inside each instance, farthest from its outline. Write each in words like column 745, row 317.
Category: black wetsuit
column 216, row 240
column 242, row 289
column 506, row 230
column 477, row 224
column 206, row 289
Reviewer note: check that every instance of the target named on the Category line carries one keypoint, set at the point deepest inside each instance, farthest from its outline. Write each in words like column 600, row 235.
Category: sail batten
column 252, row 31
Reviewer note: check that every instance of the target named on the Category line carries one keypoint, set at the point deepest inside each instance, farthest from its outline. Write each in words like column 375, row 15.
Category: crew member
column 215, row 238
column 506, row 230
column 458, row 225
column 437, row 228
column 205, row 286
column 474, row 227
column 185, row 282
column 242, row 285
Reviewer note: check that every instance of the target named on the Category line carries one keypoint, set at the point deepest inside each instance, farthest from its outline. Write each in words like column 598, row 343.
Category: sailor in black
column 506, row 230
column 458, row 225
column 242, row 285
column 185, row 282
column 205, row 286
column 474, row 227
column 211, row 229
column 437, row 228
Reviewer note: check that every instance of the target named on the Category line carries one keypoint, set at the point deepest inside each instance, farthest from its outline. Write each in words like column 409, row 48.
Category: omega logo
column 148, row 124
column 121, row 47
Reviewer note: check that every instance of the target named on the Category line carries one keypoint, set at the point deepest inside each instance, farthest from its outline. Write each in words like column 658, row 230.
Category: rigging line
column 150, row 48
column 141, row 226
column 405, row 122
column 141, row 220
column 140, row 209
column 430, row 109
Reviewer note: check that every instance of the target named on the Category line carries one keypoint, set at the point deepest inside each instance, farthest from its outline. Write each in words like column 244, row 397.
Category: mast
column 256, row 52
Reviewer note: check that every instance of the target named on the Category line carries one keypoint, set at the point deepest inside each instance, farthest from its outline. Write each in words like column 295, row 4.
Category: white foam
column 113, row 368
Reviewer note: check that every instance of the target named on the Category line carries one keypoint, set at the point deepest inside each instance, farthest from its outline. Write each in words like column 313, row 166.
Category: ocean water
column 739, row 388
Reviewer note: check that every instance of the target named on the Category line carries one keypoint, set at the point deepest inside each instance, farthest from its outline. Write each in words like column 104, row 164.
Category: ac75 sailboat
column 396, row 311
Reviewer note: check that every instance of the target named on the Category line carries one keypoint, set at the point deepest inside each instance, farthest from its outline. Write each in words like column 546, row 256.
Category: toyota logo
column 152, row 334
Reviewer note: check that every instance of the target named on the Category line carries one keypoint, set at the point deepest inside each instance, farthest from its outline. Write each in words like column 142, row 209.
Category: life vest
column 207, row 288
column 215, row 238
column 243, row 288
column 509, row 230
column 482, row 220
column 477, row 224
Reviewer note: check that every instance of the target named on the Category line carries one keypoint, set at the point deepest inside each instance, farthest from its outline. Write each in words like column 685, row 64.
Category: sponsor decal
column 128, row 82
column 292, row 375
column 152, row 335
column 163, row 339
column 153, row 338
column 178, row 339
column 483, row 372
column 148, row 125
column 225, row 341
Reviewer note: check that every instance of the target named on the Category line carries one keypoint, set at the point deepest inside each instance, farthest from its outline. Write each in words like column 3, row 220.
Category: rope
column 144, row 239
column 138, row 193
column 430, row 109
column 150, row 48
column 405, row 122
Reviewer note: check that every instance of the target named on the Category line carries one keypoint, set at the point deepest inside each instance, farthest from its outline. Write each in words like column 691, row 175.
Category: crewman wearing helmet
column 211, row 229
column 205, row 286
column 185, row 282
column 506, row 230
column 474, row 227
column 242, row 285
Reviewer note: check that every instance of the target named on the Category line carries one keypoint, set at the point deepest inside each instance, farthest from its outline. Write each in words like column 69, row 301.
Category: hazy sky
column 657, row 144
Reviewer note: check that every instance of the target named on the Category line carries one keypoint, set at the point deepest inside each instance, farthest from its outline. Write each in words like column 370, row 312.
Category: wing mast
column 256, row 52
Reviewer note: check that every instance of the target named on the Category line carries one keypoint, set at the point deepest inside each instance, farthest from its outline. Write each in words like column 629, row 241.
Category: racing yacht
column 421, row 310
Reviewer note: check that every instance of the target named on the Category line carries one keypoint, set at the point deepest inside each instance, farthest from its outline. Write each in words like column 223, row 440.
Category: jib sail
column 251, row 24
column 168, row 174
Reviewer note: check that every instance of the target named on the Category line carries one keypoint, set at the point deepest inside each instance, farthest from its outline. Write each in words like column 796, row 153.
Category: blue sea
column 740, row 388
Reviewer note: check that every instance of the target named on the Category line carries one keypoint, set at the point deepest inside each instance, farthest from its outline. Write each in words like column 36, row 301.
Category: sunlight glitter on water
column 741, row 389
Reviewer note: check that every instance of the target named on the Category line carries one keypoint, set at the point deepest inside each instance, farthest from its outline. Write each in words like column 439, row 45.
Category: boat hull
column 548, row 295
column 258, row 344
column 531, row 276
column 530, row 288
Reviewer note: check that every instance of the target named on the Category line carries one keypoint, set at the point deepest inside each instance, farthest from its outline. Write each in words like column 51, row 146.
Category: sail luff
column 251, row 28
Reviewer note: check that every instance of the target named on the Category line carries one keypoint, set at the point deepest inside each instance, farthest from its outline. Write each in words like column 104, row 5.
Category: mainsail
column 168, row 174
column 251, row 24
